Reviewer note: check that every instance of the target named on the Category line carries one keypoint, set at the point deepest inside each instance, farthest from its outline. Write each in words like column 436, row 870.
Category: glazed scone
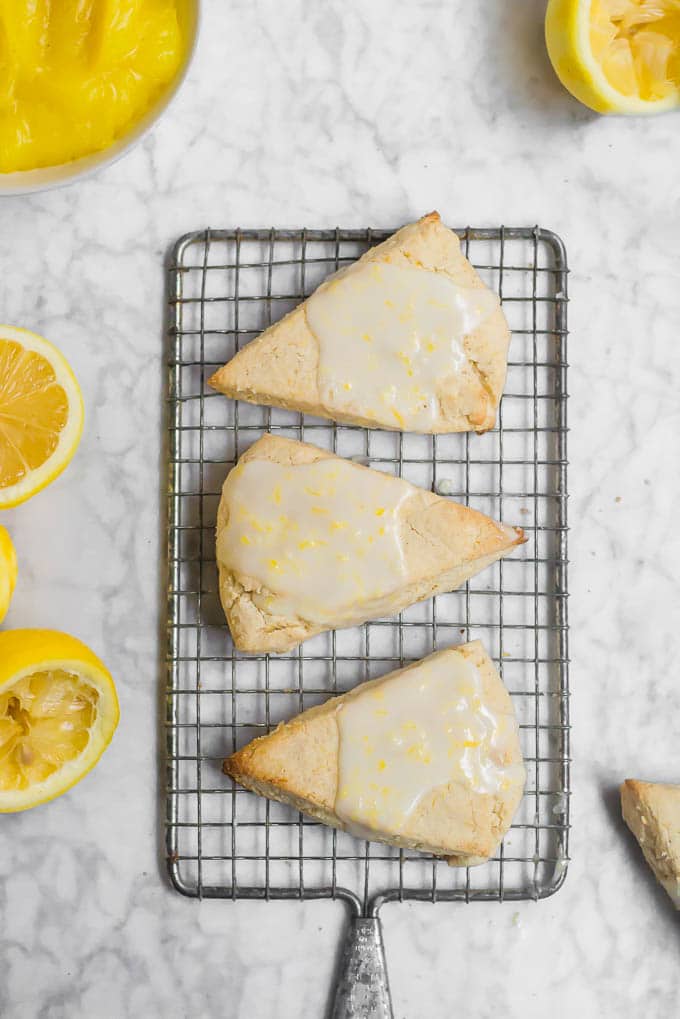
column 652, row 812
column 308, row 541
column 406, row 338
column 427, row 758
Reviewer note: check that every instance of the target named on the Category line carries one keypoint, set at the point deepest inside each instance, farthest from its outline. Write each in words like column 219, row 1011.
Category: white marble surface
column 351, row 113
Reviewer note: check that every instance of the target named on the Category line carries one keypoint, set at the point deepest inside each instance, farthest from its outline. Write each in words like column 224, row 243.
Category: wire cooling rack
column 225, row 287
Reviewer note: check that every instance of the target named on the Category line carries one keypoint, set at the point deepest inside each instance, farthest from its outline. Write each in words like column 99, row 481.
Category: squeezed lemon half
column 41, row 414
column 8, row 571
column 58, row 712
column 617, row 56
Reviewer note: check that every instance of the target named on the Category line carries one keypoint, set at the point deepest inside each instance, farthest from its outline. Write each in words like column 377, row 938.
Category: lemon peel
column 8, row 571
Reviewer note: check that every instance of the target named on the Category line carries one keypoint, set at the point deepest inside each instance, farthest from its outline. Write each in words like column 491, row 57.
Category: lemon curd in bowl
column 79, row 78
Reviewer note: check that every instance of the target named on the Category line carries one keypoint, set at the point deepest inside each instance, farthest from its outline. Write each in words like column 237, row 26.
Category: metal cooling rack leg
column 362, row 990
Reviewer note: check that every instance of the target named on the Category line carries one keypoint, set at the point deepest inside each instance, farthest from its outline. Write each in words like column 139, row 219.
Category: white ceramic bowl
column 24, row 182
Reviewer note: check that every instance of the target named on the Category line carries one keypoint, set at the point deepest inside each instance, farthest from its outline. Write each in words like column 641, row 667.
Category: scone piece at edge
column 450, row 543
column 279, row 368
column 652, row 812
column 297, row 764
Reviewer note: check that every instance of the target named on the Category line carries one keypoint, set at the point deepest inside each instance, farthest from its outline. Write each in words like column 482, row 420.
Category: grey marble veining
column 353, row 114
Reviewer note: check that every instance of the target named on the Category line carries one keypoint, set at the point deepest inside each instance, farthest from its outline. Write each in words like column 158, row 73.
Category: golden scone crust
column 444, row 544
column 279, row 368
column 297, row 764
column 652, row 812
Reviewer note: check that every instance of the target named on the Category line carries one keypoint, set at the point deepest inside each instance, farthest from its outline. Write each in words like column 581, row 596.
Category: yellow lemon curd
column 75, row 75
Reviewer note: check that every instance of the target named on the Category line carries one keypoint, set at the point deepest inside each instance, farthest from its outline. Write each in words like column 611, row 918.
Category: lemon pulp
column 45, row 722
column 75, row 75
column 34, row 409
column 637, row 44
column 41, row 414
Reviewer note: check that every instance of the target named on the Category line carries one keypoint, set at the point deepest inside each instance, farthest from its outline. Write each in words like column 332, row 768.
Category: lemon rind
column 8, row 571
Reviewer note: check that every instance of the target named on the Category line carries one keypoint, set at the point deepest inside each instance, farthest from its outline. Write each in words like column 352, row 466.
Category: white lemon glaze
column 318, row 536
column 425, row 728
column 389, row 337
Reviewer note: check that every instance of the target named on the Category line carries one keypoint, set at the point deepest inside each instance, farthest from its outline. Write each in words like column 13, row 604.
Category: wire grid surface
column 222, row 841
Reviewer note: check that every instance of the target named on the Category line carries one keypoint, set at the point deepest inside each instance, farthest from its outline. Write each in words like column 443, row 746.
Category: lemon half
column 41, row 414
column 617, row 56
column 58, row 712
column 8, row 571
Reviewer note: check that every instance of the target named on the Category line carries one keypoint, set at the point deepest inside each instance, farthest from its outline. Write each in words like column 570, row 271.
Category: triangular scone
column 652, row 812
column 427, row 757
column 308, row 541
column 407, row 338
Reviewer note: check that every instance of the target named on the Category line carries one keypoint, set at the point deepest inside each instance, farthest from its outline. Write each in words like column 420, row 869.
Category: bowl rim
column 49, row 178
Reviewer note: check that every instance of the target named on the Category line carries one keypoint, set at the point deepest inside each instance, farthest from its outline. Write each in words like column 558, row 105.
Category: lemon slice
column 41, row 414
column 617, row 56
column 8, row 571
column 58, row 712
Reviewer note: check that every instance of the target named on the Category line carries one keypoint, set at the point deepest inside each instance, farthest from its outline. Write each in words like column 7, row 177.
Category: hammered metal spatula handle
column 362, row 991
